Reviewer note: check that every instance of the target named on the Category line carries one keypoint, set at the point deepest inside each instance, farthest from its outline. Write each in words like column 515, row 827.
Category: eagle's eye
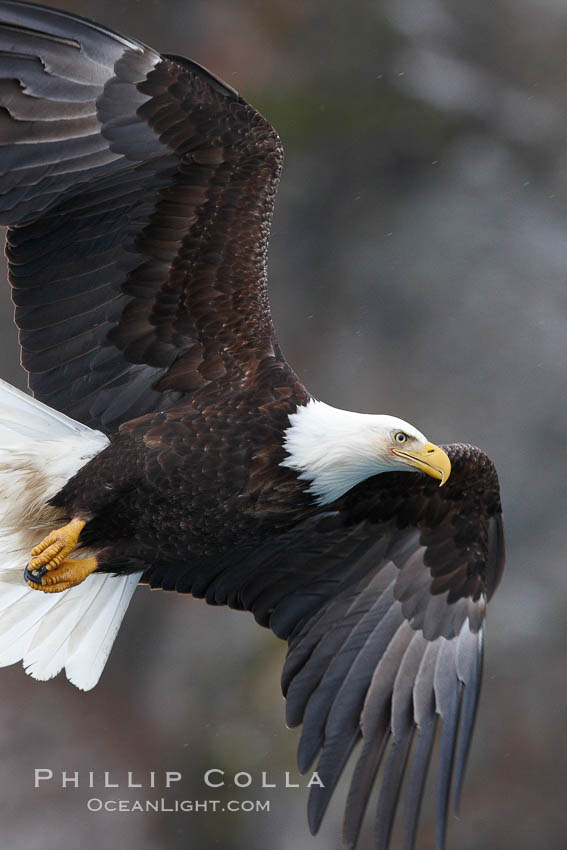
column 400, row 437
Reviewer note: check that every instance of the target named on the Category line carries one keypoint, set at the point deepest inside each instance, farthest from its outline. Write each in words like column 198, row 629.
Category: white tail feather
column 40, row 449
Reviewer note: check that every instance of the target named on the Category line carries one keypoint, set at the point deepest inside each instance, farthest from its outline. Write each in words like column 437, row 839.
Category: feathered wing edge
column 130, row 182
column 415, row 683
column 386, row 629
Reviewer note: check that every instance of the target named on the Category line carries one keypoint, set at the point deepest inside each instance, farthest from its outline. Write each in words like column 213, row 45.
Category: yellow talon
column 49, row 569
column 54, row 548
column 71, row 572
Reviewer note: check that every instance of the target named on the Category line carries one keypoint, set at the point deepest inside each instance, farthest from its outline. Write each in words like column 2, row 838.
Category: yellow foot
column 71, row 572
column 54, row 548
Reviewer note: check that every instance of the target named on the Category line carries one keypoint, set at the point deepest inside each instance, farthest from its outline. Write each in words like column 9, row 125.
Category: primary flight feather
column 169, row 441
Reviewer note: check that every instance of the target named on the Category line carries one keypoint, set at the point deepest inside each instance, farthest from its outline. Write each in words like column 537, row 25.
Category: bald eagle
column 169, row 442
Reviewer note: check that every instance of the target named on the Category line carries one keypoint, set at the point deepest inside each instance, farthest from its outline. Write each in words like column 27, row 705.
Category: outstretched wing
column 381, row 598
column 139, row 190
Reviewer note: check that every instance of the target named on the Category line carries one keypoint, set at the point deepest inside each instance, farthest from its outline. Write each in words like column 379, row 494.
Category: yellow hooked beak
column 431, row 459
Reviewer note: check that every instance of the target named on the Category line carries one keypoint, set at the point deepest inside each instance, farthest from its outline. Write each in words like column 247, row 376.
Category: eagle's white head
column 336, row 449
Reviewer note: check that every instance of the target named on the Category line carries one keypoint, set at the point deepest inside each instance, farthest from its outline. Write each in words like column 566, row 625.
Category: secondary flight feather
column 169, row 442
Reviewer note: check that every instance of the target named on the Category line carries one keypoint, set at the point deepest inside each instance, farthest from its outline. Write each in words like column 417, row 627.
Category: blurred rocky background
column 418, row 267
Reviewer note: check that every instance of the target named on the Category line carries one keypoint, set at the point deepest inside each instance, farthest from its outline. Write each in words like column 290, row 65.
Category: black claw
column 35, row 575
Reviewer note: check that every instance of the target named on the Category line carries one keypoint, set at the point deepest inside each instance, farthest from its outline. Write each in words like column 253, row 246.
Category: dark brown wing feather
column 139, row 191
column 381, row 597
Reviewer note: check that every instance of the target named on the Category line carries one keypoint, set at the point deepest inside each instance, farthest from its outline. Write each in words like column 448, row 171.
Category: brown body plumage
column 198, row 482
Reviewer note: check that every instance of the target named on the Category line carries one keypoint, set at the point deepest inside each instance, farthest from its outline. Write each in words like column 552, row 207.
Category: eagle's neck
column 336, row 449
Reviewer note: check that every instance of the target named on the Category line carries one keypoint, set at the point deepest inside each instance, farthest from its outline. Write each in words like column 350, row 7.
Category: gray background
column 418, row 267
